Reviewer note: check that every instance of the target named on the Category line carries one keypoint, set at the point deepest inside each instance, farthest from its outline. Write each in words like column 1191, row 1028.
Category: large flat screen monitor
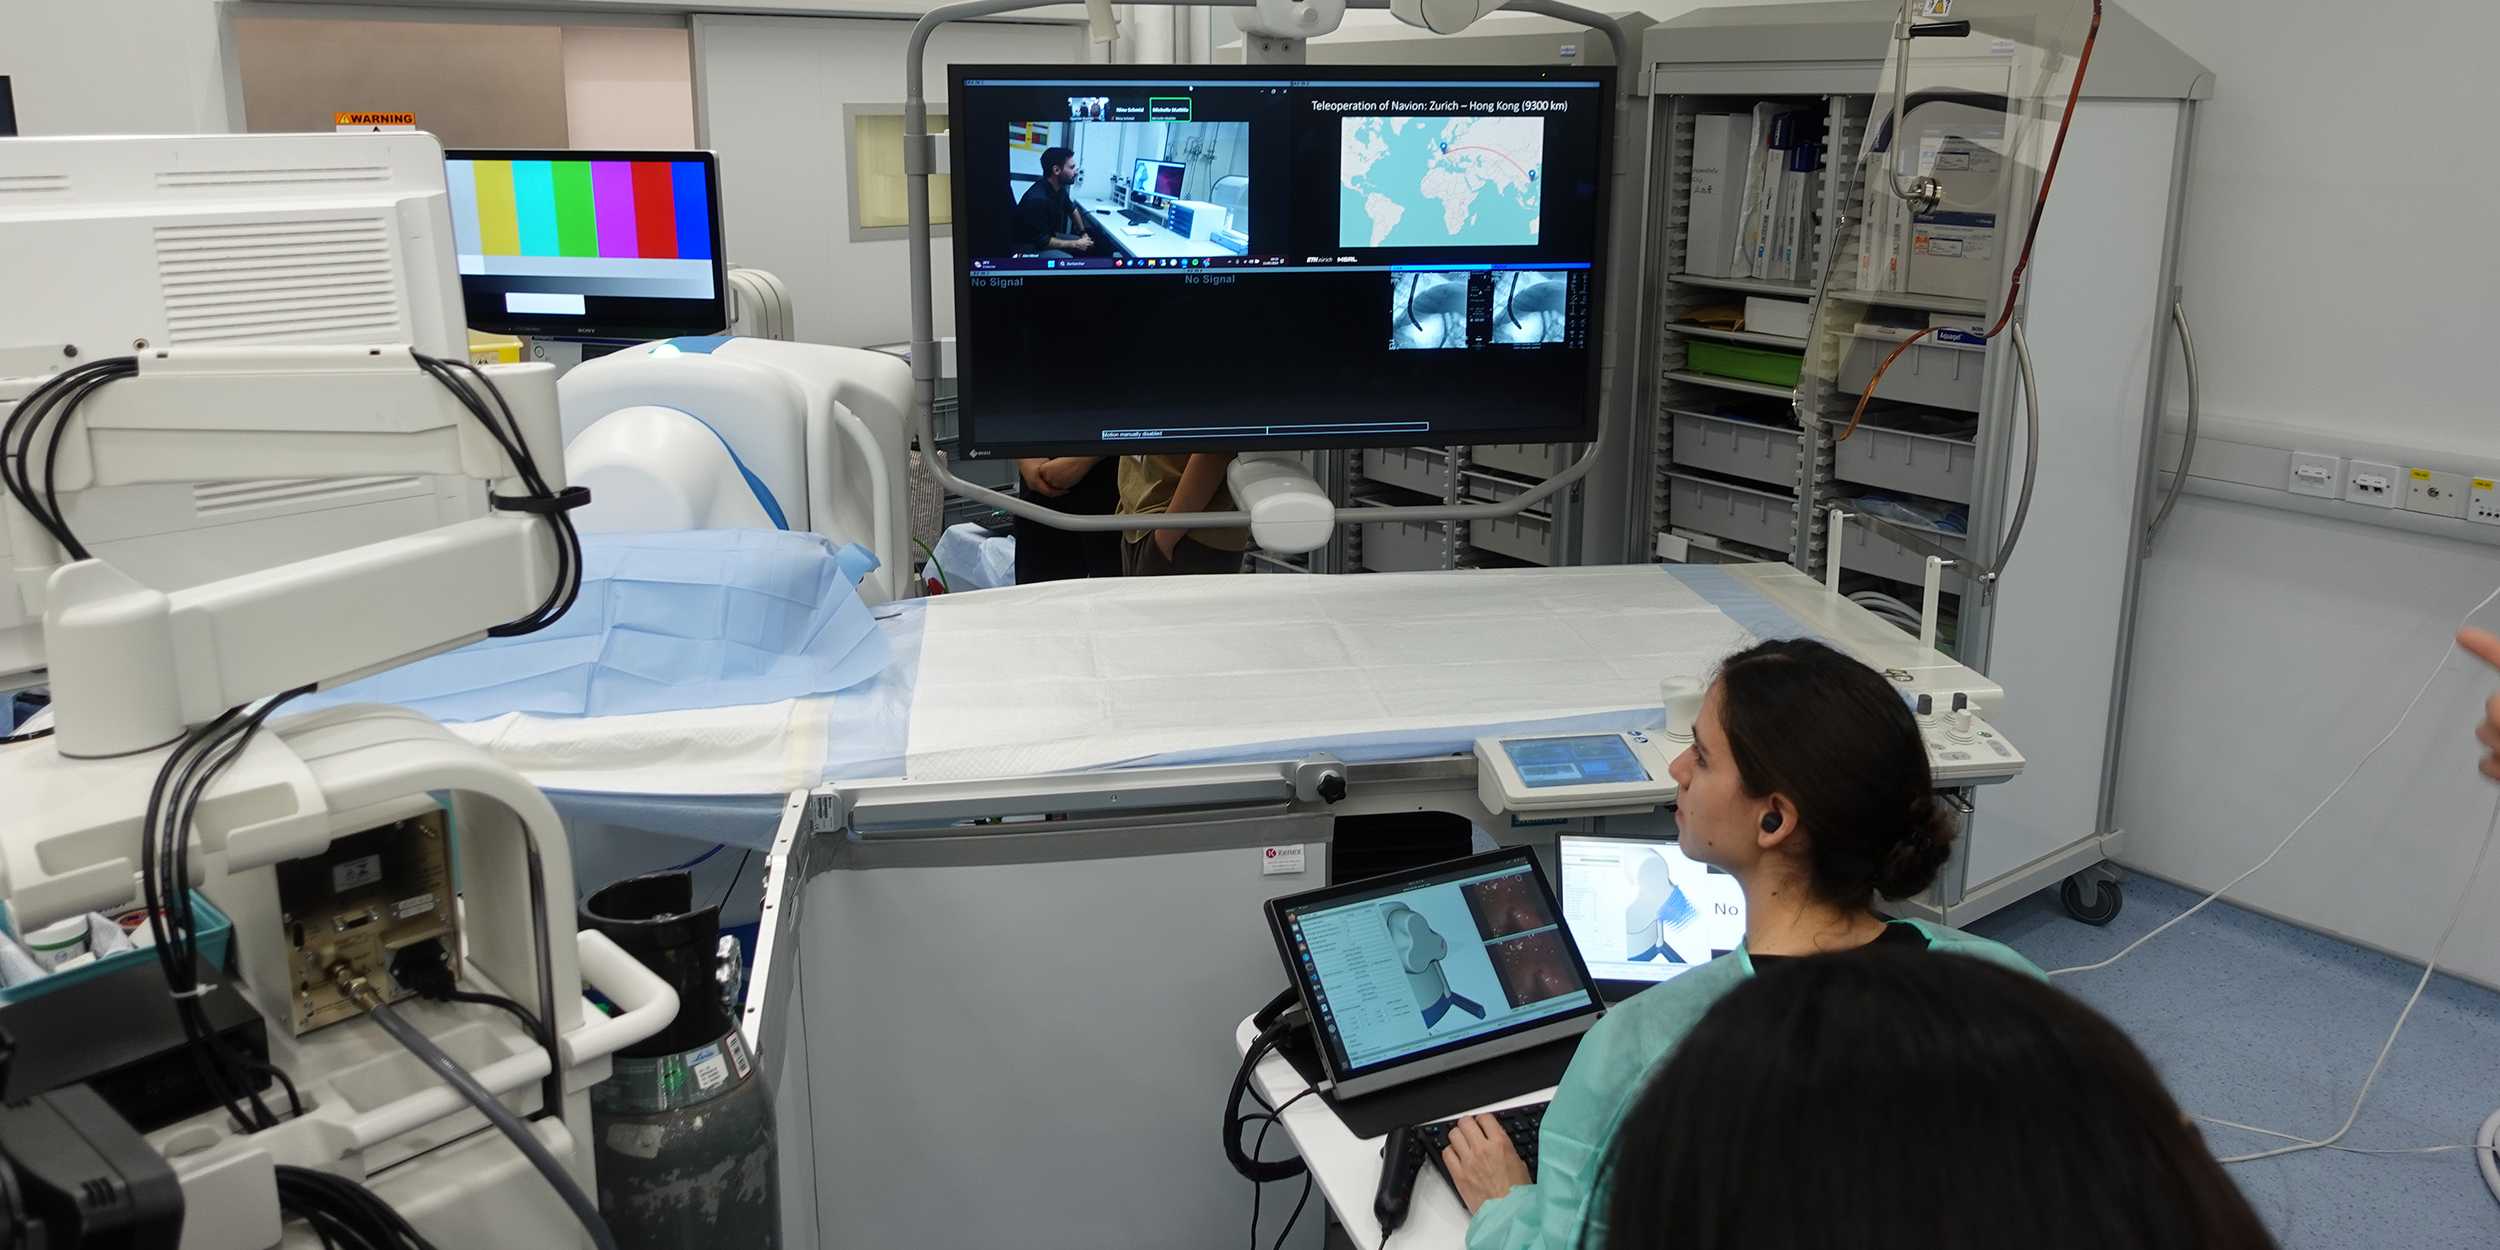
column 589, row 245
column 1377, row 256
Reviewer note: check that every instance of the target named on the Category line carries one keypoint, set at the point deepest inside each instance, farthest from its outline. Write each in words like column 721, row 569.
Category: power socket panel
column 2377, row 485
column 2483, row 502
column 2316, row 475
column 2434, row 493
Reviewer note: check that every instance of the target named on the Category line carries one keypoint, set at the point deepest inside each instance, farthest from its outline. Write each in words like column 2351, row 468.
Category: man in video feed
column 1533, row 968
column 1506, row 905
column 1048, row 222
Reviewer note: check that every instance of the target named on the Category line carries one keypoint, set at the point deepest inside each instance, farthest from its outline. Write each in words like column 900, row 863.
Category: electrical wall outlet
column 2435, row 493
column 2483, row 502
column 2313, row 474
column 2372, row 483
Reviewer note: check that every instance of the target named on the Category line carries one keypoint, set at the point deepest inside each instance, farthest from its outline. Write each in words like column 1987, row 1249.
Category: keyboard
column 1522, row 1123
column 1140, row 216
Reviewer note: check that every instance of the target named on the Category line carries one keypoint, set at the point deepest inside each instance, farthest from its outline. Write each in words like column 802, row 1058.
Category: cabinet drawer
column 1760, row 518
column 1938, row 376
column 1865, row 551
column 1914, row 464
column 1758, row 453
column 1424, row 470
column 1405, row 547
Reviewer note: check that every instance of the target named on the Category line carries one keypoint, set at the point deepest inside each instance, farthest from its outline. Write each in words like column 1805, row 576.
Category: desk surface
column 1347, row 1168
column 1153, row 243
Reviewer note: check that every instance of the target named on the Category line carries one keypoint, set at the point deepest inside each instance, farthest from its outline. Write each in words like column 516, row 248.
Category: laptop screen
column 1640, row 911
column 1450, row 958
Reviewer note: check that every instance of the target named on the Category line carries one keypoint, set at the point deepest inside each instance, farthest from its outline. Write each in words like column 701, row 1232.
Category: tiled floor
column 2253, row 1020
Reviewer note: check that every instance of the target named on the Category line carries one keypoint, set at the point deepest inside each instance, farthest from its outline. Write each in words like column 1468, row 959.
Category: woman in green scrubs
column 1807, row 780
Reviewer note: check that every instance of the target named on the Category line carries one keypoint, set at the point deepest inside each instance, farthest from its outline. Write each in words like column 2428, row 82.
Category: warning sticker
column 374, row 121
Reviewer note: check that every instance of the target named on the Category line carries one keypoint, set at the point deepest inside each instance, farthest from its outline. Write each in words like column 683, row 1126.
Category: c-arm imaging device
column 198, row 253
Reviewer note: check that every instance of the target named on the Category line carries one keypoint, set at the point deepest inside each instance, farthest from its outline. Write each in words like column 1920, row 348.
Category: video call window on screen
column 1415, row 252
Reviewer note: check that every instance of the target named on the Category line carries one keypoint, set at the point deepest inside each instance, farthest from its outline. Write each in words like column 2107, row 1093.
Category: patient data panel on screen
column 1573, row 774
column 1238, row 261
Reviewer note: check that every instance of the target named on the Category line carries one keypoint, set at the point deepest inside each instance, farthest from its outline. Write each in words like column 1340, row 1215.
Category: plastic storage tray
column 1527, row 459
column 1746, row 449
column 1916, row 464
column 1747, row 364
column 1404, row 547
column 1935, row 375
column 1527, row 536
column 1424, row 470
column 1756, row 517
column 1863, row 550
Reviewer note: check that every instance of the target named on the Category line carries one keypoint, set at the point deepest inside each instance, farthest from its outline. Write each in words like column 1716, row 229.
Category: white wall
column 628, row 87
column 123, row 67
column 2338, row 277
column 771, row 97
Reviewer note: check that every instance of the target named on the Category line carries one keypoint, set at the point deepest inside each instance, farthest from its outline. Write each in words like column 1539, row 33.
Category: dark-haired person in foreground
column 1782, row 1122
column 1808, row 782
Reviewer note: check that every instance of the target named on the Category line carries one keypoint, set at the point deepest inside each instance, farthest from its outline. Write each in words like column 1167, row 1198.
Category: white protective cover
column 1077, row 674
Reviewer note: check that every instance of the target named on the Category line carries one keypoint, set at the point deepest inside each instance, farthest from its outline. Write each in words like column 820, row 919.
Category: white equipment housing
column 228, row 241
column 667, row 434
column 268, row 291
column 1196, row 219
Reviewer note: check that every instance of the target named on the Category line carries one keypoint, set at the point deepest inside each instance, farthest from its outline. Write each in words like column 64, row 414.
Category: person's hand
column 1482, row 1163
column 1036, row 477
column 1168, row 542
column 1063, row 474
column 1081, row 243
column 2486, row 648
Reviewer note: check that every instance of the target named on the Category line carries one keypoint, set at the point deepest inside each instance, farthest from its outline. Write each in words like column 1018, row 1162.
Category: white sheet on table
column 1089, row 673
column 761, row 748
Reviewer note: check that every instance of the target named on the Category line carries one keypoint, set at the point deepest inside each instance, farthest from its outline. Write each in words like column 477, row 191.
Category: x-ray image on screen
column 1427, row 310
column 1531, row 307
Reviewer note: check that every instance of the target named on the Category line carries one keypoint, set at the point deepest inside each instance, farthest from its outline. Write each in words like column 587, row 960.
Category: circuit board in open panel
column 348, row 909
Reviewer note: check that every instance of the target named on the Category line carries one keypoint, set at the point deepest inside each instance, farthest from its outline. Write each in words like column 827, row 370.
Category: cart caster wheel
column 2107, row 898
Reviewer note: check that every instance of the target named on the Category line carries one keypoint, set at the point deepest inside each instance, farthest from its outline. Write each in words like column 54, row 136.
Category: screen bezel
column 971, row 447
column 1562, row 867
column 561, row 326
column 1351, row 1080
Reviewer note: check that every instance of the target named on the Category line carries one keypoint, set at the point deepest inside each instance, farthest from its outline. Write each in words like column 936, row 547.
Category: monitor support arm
column 132, row 666
column 1285, row 504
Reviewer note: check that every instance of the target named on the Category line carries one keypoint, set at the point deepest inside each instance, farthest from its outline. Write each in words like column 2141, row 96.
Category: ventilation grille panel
column 217, row 499
column 293, row 176
column 307, row 281
column 33, row 184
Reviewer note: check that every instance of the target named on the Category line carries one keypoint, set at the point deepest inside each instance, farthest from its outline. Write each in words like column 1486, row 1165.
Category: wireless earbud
column 1771, row 821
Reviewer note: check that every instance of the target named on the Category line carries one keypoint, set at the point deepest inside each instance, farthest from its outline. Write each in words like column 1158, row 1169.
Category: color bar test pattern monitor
column 589, row 245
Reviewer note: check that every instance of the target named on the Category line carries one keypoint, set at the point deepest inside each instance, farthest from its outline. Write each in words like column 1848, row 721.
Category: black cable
column 62, row 392
column 1268, row 1119
column 509, row 437
column 529, row 1023
column 342, row 1213
column 497, row 1114
column 734, row 877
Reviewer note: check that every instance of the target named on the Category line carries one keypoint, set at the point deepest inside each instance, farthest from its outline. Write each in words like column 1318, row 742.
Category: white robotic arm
column 132, row 667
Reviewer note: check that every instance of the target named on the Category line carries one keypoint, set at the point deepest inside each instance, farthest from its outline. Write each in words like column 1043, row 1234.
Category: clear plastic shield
column 1939, row 190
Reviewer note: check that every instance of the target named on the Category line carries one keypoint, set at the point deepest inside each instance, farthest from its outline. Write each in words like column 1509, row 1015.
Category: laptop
column 1640, row 912
column 1432, row 969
